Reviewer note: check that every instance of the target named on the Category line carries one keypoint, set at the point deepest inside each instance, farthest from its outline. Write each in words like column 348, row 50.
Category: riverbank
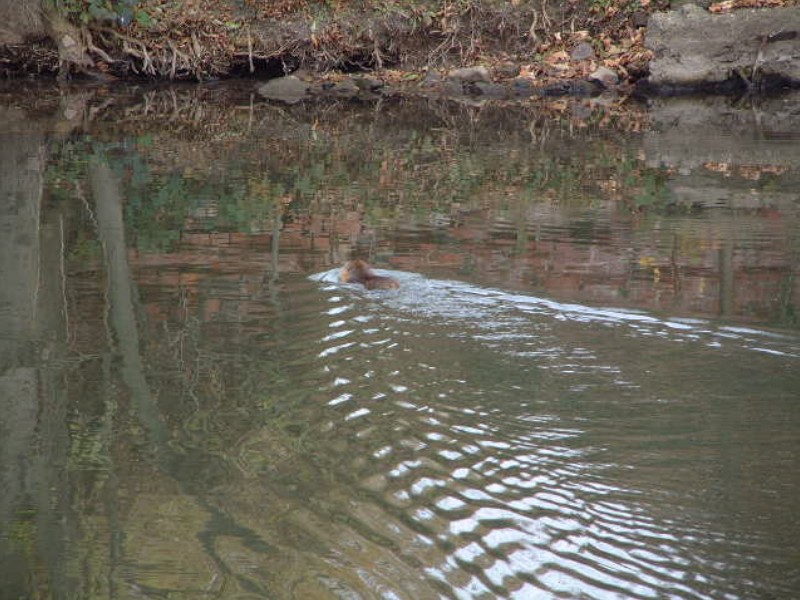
column 473, row 48
column 203, row 39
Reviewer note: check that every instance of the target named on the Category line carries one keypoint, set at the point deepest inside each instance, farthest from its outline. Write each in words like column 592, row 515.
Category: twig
column 250, row 51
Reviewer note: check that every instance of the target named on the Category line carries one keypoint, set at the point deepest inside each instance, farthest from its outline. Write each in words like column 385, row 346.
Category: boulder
column 606, row 76
column 470, row 74
column 696, row 50
column 583, row 51
column 289, row 89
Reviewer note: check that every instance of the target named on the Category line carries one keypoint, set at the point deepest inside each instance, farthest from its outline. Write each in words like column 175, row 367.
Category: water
column 586, row 386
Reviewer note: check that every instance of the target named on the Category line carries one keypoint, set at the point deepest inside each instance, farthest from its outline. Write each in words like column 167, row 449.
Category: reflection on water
column 585, row 387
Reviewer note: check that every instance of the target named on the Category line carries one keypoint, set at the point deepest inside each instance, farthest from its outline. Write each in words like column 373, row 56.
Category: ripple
column 504, row 316
column 505, row 439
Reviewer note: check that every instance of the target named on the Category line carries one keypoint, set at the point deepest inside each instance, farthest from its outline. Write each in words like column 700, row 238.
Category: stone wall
column 695, row 49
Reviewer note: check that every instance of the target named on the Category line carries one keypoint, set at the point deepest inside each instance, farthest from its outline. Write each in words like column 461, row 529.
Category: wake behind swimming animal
column 358, row 271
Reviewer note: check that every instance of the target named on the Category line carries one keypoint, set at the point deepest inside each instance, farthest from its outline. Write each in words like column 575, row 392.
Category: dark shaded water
column 587, row 385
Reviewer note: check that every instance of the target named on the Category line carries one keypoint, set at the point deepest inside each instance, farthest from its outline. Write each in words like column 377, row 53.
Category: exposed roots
column 187, row 58
column 217, row 38
column 347, row 39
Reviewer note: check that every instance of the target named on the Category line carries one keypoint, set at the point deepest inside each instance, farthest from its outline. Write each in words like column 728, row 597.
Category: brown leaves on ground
column 750, row 172
column 621, row 50
column 203, row 38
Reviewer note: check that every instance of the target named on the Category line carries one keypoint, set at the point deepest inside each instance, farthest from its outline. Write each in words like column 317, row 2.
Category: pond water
column 586, row 386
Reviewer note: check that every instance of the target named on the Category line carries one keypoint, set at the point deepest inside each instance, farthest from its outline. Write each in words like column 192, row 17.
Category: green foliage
column 652, row 190
column 142, row 18
column 87, row 11
column 646, row 187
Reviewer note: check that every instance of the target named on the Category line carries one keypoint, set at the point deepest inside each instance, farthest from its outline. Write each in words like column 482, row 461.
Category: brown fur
column 358, row 271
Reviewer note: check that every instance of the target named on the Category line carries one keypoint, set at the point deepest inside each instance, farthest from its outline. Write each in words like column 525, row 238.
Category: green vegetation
column 102, row 11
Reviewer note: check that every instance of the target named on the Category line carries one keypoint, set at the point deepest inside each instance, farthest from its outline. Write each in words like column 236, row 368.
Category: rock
column 304, row 75
column 289, row 89
column 589, row 87
column 522, row 87
column 678, row 4
column 639, row 19
column 583, row 51
column 507, row 70
column 367, row 83
column 490, row 90
column 695, row 50
column 432, row 78
column 470, row 74
column 346, row 88
column 605, row 76
column 453, row 88
column 578, row 88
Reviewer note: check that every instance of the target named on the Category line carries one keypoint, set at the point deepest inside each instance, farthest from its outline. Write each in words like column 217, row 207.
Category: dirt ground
column 206, row 39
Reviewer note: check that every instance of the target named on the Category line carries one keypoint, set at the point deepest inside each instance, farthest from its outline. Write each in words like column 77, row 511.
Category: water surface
column 586, row 386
